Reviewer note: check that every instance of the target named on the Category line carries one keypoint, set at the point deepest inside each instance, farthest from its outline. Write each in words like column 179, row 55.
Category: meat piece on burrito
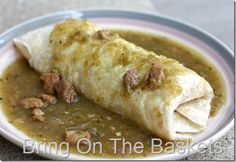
column 170, row 100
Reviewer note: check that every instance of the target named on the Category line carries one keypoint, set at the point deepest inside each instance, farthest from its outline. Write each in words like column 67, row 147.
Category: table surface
column 216, row 18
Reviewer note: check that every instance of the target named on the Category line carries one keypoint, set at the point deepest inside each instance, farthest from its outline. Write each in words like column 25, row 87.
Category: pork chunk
column 38, row 115
column 155, row 76
column 48, row 99
column 49, row 80
column 32, row 102
column 66, row 91
column 130, row 80
column 73, row 136
column 103, row 34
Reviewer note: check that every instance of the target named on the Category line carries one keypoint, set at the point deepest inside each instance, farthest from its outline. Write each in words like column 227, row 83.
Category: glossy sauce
column 20, row 81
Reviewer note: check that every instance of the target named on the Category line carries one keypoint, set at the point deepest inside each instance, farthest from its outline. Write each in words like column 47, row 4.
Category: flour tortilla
column 174, row 112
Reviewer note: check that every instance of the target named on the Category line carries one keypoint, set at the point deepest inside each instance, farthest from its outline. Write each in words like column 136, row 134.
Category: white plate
column 206, row 44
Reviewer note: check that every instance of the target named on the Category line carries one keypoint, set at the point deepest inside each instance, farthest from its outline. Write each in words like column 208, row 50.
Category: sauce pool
column 20, row 81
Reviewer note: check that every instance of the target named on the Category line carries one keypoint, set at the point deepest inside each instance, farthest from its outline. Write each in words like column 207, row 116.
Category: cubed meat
column 32, row 102
column 38, row 115
column 66, row 91
column 154, row 77
column 112, row 128
column 49, row 80
column 48, row 99
column 73, row 136
column 130, row 80
column 103, row 34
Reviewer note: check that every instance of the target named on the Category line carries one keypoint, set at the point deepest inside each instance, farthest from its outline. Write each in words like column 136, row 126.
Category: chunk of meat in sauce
column 73, row 136
column 112, row 128
column 66, row 91
column 32, row 102
column 154, row 77
column 48, row 99
column 130, row 80
column 49, row 80
column 103, row 34
column 38, row 115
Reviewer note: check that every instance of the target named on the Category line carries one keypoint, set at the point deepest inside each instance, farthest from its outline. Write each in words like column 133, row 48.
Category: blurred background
column 214, row 16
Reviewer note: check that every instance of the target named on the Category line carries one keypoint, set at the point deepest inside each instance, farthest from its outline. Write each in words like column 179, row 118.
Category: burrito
column 158, row 93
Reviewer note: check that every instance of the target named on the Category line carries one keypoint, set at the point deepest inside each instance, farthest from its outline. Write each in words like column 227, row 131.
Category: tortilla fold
column 95, row 66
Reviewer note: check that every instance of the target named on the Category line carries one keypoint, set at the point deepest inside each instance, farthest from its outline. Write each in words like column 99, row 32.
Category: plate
column 209, row 46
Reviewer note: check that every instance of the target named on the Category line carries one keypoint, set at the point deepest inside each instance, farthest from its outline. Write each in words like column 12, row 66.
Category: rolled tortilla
column 95, row 65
